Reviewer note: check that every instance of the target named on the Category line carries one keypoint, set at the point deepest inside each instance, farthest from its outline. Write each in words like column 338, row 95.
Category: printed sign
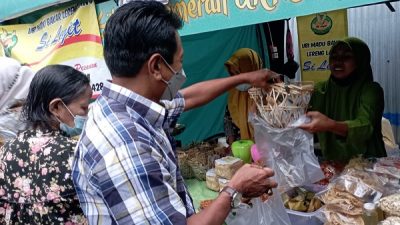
column 68, row 36
column 317, row 33
column 202, row 16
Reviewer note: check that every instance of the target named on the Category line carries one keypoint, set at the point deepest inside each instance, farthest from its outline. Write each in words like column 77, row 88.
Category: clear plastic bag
column 289, row 152
column 362, row 184
column 270, row 212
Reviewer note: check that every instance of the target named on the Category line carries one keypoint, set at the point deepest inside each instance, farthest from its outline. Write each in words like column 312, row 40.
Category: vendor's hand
column 252, row 180
column 260, row 78
column 319, row 123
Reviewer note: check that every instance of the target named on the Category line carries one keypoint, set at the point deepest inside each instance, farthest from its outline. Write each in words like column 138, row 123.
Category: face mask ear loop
column 165, row 61
column 73, row 116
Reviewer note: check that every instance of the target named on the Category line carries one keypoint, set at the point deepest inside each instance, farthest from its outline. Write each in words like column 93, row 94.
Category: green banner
column 209, row 15
column 10, row 9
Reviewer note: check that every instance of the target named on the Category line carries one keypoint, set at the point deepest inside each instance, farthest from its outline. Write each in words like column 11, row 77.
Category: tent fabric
column 10, row 9
column 204, row 59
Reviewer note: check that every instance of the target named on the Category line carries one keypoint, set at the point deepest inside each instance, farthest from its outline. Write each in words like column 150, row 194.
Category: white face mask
column 174, row 84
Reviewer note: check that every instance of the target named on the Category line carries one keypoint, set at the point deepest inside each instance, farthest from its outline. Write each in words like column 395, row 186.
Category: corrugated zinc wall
column 380, row 28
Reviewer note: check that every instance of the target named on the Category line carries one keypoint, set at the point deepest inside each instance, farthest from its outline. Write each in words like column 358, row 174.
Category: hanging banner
column 68, row 36
column 10, row 9
column 207, row 15
column 317, row 33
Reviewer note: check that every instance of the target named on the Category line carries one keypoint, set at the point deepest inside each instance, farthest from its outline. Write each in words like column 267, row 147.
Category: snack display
column 390, row 205
column 334, row 218
column 212, row 180
column 361, row 184
column 388, row 165
column 342, row 207
column 392, row 220
column 227, row 166
column 301, row 200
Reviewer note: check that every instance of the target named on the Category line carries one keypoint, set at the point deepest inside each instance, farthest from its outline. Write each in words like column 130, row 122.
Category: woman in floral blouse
column 35, row 167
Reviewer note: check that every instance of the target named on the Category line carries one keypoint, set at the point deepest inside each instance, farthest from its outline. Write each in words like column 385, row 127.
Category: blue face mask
column 243, row 87
column 79, row 122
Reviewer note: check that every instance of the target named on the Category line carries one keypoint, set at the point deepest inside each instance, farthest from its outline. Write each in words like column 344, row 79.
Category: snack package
column 335, row 218
column 362, row 184
column 227, row 166
column 388, row 165
column 212, row 180
column 392, row 220
column 342, row 202
column 299, row 199
column 390, row 204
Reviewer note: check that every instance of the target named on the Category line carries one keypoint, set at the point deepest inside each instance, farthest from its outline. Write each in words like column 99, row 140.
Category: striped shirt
column 125, row 169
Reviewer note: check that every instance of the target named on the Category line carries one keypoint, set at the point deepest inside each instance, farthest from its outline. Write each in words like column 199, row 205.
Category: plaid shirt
column 125, row 169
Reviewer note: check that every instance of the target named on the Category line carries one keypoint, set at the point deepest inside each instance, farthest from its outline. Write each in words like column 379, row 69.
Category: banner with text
column 68, row 36
column 208, row 15
column 317, row 33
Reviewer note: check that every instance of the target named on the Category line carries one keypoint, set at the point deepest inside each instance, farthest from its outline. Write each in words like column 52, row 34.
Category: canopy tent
column 209, row 15
column 203, row 16
column 10, row 9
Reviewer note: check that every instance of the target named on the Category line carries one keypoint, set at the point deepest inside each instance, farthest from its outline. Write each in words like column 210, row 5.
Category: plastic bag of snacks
column 342, row 207
column 362, row 184
column 390, row 204
column 392, row 220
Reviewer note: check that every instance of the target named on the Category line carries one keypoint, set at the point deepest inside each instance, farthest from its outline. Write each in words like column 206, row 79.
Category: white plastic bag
column 289, row 152
column 270, row 212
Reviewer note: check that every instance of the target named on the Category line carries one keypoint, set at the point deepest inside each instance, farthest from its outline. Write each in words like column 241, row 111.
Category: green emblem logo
column 321, row 24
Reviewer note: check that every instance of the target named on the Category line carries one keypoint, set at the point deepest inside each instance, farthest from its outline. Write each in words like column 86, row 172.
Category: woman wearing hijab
column 346, row 110
column 35, row 167
column 239, row 102
column 14, row 84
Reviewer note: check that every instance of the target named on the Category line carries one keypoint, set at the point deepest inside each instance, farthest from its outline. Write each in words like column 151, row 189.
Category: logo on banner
column 321, row 24
column 8, row 40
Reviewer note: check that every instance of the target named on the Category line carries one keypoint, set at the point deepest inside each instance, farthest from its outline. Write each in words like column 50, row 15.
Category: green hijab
column 356, row 100
column 362, row 56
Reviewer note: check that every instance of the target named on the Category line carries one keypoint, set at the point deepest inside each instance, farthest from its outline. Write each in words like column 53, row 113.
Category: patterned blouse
column 35, row 180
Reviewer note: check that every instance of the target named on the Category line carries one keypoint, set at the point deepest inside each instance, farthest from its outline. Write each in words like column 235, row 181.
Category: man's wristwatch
column 236, row 197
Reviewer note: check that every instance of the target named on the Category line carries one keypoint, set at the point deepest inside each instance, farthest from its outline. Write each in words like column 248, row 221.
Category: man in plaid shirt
column 125, row 169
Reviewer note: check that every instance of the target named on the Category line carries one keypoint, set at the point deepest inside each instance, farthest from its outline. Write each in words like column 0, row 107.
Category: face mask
column 243, row 87
column 174, row 84
column 79, row 122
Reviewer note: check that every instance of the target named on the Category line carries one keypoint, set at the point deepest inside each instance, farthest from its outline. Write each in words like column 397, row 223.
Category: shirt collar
column 153, row 112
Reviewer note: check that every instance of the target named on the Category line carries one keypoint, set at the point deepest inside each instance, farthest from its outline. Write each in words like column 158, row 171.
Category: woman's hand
column 322, row 123
column 319, row 123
